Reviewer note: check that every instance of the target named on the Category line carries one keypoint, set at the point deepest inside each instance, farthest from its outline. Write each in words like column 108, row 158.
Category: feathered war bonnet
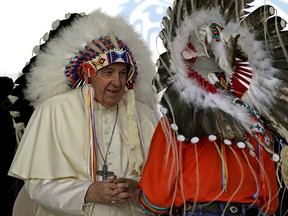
column 56, row 68
column 91, row 42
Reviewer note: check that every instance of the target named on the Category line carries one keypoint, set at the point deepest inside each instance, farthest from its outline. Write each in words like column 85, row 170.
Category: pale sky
column 24, row 22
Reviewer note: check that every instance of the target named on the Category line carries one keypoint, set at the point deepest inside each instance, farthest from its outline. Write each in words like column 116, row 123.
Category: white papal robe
column 54, row 151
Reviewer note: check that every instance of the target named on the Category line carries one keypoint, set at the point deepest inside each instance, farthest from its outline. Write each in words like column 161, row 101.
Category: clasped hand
column 112, row 191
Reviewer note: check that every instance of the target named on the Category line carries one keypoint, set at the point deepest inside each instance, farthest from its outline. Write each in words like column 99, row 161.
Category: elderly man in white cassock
column 85, row 145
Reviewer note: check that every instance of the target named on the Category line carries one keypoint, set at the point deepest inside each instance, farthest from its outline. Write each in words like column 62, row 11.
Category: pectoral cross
column 104, row 172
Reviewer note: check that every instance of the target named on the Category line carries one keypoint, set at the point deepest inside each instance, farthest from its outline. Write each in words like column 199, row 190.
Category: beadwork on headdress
column 97, row 55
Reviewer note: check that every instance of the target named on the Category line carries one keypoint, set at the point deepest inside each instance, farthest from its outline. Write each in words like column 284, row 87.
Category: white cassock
column 55, row 146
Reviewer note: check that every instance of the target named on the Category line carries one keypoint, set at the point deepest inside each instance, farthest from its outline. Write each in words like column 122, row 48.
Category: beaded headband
column 97, row 55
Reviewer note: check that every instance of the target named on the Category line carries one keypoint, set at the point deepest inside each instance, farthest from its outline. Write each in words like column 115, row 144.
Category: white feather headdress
column 46, row 77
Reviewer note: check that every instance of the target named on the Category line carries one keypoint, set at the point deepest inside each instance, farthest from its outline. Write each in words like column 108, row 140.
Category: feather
column 283, row 91
column 197, row 123
column 281, row 64
column 256, row 19
column 233, row 10
column 210, row 126
column 273, row 124
column 164, row 77
column 230, row 129
column 273, row 25
column 282, row 75
column 276, row 46
column 281, row 112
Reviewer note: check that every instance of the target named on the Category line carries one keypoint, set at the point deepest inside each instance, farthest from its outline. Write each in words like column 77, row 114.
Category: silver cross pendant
column 105, row 173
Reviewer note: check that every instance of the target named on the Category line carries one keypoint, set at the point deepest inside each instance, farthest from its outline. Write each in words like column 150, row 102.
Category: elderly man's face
column 109, row 84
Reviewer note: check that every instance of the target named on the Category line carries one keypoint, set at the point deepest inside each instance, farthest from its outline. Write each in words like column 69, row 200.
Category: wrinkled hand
column 113, row 191
column 127, row 186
